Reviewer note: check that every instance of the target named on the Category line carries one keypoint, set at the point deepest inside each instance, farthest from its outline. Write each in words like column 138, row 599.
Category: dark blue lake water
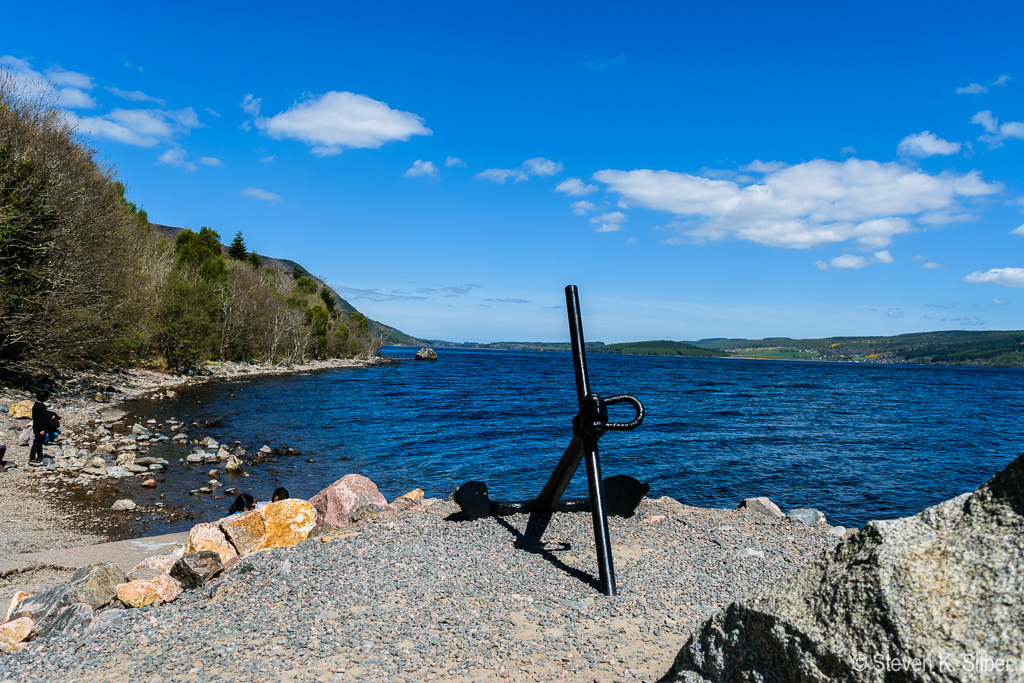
column 858, row 442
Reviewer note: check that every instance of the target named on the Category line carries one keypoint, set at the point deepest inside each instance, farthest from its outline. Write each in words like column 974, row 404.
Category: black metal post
column 590, row 427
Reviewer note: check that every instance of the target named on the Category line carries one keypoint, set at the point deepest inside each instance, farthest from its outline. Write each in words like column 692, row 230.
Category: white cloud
column 894, row 313
column 540, row 166
column 211, row 161
column 211, row 112
column 452, row 162
column 926, row 144
column 250, row 105
column 996, row 132
column 257, row 193
column 1018, row 231
column 70, row 79
column 422, row 169
column 849, row 149
column 500, row 175
column 1002, row 80
column 582, row 207
column 73, row 98
column 574, row 187
column 176, row 157
column 1004, row 277
column 267, row 160
column 758, row 166
column 932, row 265
column 854, row 262
column 972, row 89
column 69, row 87
column 609, row 222
column 335, row 121
column 140, row 127
column 802, row 206
column 137, row 96
column 999, row 302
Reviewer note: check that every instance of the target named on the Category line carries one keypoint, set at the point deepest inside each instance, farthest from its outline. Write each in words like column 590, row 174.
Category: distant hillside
column 951, row 347
column 954, row 347
column 657, row 348
column 389, row 335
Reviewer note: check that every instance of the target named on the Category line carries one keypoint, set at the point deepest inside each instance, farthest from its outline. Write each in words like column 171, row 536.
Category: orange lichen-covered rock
column 210, row 537
column 287, row 522
column 15, row 599
column 20, row 410
column 245, row 530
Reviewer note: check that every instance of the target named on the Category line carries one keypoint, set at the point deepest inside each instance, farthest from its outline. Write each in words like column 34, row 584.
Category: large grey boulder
column 933, row 597
column 426, row 354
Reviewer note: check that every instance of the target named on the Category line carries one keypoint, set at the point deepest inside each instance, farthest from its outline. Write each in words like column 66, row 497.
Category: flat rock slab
column 125, row 554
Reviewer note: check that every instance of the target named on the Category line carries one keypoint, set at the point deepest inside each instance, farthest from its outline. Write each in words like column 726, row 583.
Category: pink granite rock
column 336, row 504
column 161, row 563
column 210, row 537
column 14, row 632
column 763, row 505
column 154, row 591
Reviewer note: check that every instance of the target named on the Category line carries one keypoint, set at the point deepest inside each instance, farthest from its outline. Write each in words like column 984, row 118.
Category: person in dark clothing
column 40, row 426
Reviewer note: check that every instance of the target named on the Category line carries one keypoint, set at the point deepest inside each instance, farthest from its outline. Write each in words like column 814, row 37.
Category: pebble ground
column 414, row 596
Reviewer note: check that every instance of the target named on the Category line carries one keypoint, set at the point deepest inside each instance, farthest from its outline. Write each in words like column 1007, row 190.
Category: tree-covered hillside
column 86, row 280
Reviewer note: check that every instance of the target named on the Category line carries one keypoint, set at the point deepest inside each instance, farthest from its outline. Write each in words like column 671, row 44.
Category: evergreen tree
column 236, row 249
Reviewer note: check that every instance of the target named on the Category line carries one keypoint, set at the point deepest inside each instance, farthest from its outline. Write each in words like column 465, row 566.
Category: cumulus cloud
column 335, row 121
column 257, row 193
column 971, row 89
column 422, row 169
column 609, row 222
column 574, row 187
column 854, row 262
column 540, row 166
column 211, row 161
column 452, row 162
column 139, row 96
column 582, row 207
column 802, row 206
column 995, row 132
column 1018, row 231
column 140, row 127
column 176, row 156
column 69, row 87
column 500, row 175
column 1004, row 277
column 926, row 144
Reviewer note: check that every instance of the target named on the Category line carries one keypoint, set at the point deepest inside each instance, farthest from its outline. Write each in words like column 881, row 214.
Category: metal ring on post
column 632, row 424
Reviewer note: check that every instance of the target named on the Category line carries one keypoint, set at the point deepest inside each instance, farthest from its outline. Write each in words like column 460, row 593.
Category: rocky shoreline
column 65, row 506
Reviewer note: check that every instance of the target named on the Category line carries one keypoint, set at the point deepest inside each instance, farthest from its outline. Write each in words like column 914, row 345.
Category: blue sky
column 698, row 170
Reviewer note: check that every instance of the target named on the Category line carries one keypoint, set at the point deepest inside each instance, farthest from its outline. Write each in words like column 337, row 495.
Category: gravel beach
column 415, row 595
column 403, row 596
